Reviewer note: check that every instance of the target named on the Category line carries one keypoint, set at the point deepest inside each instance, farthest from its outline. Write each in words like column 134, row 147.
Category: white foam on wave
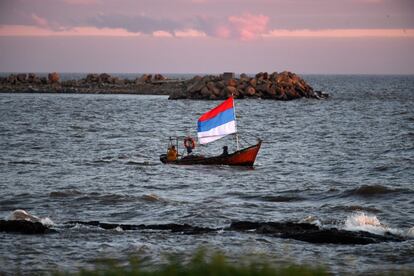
column 311, row 220
column 369, row 223
column 47, row 222
column 362, row 222
column 20, row 214
column 410, row 232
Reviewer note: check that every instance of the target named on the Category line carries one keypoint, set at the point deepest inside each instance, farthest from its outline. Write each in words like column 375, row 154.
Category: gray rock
column 196, row 87
column 21, row 77
column 12, row 79
column 104, row 77
column 23, row 227
column 53, row 77
column 92, row 78
column 43, row 80
column 205, row 92
column 249, row 91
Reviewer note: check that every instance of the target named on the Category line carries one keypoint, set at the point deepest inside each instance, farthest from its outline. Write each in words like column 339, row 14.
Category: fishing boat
column 211, row 126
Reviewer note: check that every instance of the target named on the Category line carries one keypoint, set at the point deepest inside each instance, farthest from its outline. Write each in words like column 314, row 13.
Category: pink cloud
column 245, row 27
column 222, row 31
column 40, row 21
column 248, row 26
column 342, row 33
column 189, row 33
column 162, row 34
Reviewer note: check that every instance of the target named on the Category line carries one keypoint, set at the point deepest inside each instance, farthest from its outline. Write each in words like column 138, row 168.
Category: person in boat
column 225, row 150
column 189, row 144
column 172, row 154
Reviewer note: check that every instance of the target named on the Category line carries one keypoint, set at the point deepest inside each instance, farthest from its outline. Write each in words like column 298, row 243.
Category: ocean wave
column 126, row 160
column 105, row 198
column 269, row 198
column 111, row 198
column 373, row 190
column 67, row 193
column 354, row 208
column 116, row 198
column 141, row 163
column 108, row 198
column 281, row 198
column 106, row 159
column 383, row 168
column 24, row 162
column 123, row 156
column 152, row 197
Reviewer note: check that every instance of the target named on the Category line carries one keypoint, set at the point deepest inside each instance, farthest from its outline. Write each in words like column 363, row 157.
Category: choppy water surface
column 347, row 161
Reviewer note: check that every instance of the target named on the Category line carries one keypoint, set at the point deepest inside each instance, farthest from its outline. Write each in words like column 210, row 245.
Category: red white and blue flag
column 217, row 123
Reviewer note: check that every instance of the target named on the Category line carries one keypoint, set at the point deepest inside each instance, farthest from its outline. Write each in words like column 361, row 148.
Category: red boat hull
column 244, row 157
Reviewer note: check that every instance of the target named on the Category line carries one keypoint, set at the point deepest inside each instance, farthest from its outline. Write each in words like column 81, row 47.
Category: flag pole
column 235, row 122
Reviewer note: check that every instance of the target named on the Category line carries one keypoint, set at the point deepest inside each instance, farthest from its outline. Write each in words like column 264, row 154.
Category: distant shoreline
column 91, row 84
column 82, row 93
column 184, row 76
column 282, row 86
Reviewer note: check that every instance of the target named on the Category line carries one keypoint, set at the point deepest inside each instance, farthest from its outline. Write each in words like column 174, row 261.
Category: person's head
column 173, row 147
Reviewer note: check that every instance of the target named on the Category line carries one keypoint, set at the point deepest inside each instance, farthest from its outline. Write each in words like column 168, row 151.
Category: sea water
column 345, row 162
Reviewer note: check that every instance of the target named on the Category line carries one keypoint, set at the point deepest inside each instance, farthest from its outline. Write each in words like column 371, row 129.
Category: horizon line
column 203, row 73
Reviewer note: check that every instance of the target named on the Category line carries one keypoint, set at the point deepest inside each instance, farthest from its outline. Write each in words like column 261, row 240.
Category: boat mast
column 235, row 122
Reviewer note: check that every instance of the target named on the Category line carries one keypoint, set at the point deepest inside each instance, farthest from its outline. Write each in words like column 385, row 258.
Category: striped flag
column 217, row 123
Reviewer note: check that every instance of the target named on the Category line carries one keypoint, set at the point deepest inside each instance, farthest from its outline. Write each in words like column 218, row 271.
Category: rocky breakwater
column 275, row 86
column 285, row 230
column 93, row 84
column 23, row 222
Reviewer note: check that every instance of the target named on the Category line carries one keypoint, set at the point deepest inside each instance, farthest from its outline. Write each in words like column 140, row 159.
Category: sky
column 207, row 36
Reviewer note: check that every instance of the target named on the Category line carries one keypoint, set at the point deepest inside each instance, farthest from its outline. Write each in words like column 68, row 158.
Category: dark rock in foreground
column 286, row 230
column 312, row 233
column 24, row 227
column 173, row 227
